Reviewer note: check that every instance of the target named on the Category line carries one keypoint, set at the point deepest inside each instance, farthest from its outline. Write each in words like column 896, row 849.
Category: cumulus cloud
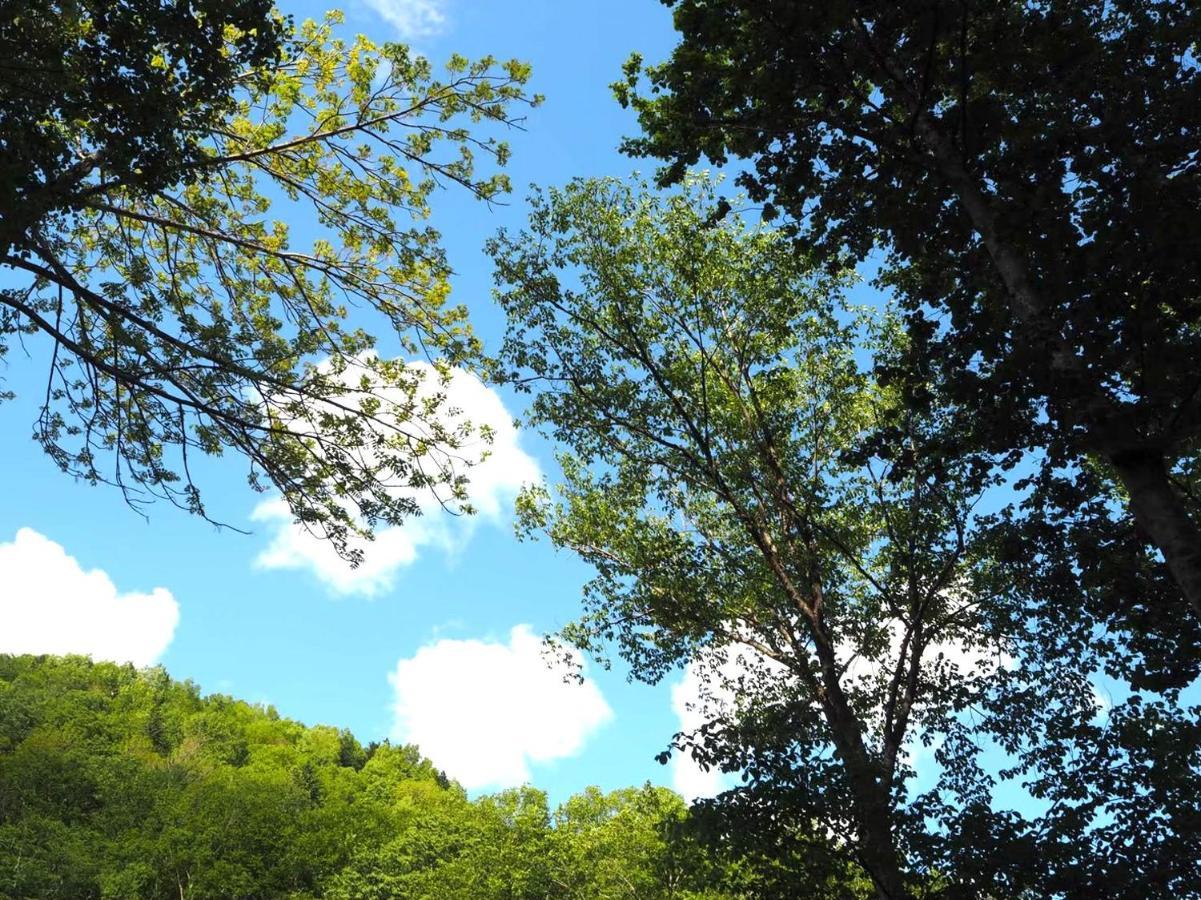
column 494, row 483
column 50, row 604
column 969, row 655
column 707, row 691
column 693, row 702
column 413, row 19
column 484, row 711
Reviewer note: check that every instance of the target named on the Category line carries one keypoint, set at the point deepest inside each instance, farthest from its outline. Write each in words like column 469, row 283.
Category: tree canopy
column 1029, row 170
column 715, row 402
column 929, row 561
column 196, row 198
column 133, row 87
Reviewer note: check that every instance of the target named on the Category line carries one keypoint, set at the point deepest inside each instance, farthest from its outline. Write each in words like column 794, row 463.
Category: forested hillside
column 122, row 783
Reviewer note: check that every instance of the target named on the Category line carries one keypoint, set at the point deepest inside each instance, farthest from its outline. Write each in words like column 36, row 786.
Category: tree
column 719, row 419
column 1030, row 169
column 159, row 153
column 631, row 843
column 706, row 390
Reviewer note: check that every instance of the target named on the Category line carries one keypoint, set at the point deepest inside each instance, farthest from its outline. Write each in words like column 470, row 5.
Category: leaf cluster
column 181, row 313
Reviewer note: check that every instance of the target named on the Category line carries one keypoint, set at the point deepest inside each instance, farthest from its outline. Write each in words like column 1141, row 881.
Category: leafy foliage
column 137, row 84
column 119, row 783
column 152, row 225
column 1031, row 172
column 720, row 420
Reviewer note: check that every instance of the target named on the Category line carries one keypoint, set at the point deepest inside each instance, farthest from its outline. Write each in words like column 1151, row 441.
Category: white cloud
column 710, row 685
column 49, row 604
column 413, row 19
column 971, row 656
column 689, row 703
column 706, row 692
column 394, row 547
column 494, row 483
column 483, row 711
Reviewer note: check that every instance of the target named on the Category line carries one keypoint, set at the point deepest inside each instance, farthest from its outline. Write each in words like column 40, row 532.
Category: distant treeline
column 119, row 783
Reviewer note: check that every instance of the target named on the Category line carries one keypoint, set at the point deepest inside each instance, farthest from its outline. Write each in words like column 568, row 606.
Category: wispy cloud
column 413, row 19
column 50, row 604
column 484, row 711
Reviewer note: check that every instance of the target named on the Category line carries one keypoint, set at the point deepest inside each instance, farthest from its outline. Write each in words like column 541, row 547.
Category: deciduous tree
column 715, row 401
column 704, row 383
column 1031, row 172
column 210, row 215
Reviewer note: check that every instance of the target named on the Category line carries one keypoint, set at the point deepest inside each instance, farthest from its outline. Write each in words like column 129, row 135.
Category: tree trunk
column 1160, row 512
column 872, row 804
column 1153, row 501
column 877, row 853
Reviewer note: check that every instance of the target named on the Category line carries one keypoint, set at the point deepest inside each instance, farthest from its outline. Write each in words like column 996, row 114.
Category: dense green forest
column 120, row 783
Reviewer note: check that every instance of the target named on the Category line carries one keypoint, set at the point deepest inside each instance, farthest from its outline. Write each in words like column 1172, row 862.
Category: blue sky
column 436, row 640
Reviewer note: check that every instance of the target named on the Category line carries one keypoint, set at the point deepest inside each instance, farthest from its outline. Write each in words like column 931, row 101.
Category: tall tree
column 719, row 418
column 159, row 157
column 707, row 391
column 1031, row 170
